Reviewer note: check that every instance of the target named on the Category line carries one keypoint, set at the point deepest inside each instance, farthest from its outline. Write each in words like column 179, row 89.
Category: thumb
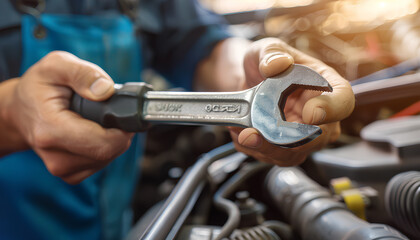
column 85, row 78
column 273, row 58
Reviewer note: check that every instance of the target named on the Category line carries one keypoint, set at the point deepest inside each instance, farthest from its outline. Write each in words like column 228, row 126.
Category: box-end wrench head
column 267, row 107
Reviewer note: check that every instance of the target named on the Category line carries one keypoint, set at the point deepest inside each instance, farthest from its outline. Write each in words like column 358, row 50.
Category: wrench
column 134, row 105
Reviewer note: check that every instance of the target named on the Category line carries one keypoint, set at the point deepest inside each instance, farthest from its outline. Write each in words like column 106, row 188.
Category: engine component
column 269, row 230
column 228, row 188
column 251, row 211
column 176, row 208
column 402, row 201
column 389, row 89
column 355, row 202
column 315, row 214
column 258, row 232
column 209, row 232
column 389, row 147
column 339, row 185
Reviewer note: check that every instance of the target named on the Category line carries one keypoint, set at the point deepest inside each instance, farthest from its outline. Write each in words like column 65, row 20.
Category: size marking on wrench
column 198, row 108
column 260, row 107
column 160, row 107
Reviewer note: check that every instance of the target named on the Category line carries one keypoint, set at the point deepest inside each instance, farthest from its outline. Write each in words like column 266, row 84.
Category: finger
column 273, row 58
column 278, row 156
column 78, row 177
column 250, row 138
column 270, row 153
column 335, row 133
column 330, row 106
column 86, row 78
column 83, row 137
column 265, row 58
column 64, row 164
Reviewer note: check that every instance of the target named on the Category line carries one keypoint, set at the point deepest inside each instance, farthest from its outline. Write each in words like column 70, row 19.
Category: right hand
column 71, row 147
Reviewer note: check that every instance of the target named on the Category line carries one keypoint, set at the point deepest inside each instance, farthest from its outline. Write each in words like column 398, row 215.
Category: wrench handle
column 123, row 110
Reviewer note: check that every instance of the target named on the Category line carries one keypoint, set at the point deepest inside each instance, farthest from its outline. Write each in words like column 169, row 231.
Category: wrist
column 11, row 139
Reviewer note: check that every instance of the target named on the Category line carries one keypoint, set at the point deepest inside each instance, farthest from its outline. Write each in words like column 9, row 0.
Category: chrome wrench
column 260, row 107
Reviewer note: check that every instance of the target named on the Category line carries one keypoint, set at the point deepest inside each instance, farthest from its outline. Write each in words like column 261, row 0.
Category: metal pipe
column 175, row 204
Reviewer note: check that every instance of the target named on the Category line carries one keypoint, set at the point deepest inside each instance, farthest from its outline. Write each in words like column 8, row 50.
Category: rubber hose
column 315, row 214
column 402, row 201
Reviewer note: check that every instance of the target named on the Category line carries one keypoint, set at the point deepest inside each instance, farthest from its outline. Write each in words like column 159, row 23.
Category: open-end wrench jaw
column 267, row 107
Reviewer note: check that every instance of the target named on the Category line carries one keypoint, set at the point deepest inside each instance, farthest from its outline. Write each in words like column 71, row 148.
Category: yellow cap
column 340, row 184
column 355, row 202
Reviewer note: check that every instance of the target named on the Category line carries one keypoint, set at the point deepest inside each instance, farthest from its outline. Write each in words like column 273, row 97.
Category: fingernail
column 275, row 56
column 318, row 115
column 101, row 86
column 252, row 141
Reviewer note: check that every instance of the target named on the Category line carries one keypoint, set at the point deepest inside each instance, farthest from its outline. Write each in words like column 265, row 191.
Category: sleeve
column 176, row 35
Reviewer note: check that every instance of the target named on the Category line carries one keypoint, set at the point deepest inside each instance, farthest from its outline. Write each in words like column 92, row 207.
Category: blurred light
column 370, row 10
column 230, row 6
column 302, row 24
column 334, row 22
column 292, row 3
column 351, row 15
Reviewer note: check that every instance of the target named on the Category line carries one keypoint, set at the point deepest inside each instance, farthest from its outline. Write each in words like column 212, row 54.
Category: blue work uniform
column 174, row 36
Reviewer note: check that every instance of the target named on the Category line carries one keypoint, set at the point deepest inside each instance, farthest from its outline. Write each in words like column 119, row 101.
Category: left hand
column 269, row 57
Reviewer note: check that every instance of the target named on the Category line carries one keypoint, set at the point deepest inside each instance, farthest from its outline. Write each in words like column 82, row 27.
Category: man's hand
column 269, row 57
column 71, row 147
column 231, row 68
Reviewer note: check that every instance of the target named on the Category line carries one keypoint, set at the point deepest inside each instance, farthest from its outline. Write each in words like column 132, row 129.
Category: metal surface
column 260, row 107
column 387, row 89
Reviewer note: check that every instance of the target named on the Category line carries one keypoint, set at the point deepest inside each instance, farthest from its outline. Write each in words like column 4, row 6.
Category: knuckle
column 273, row 48
column 58, row 56
column 275, row 44
column 104, row 153
column 42, row 138
column 49, row 61
column 108, row 147
column 55, row 168
column 84, row 73
column 53, row 60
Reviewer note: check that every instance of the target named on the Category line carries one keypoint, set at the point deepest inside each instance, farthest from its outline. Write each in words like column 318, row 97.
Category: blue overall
column 33, row 203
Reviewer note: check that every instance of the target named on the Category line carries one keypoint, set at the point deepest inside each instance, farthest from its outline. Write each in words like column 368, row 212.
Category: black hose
column 402, row 201
column 313, row 212
column 176, row 203
column 221, row 201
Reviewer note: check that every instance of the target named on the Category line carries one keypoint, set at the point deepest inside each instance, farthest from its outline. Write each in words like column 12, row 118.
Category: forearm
column 223, row 70
column 10, row 138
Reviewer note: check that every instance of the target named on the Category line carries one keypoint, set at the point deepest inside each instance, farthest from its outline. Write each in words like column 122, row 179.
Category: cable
column 232, row 210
